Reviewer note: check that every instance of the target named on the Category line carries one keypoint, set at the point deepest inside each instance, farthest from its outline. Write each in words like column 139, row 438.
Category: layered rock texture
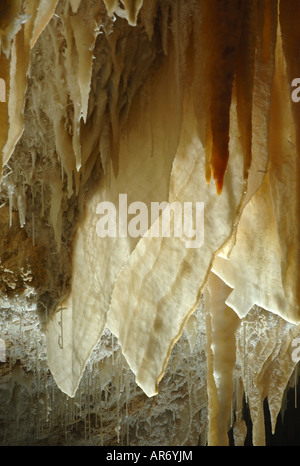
column 141, row 337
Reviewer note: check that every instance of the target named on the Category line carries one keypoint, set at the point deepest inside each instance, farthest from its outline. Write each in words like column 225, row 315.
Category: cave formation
column 137, row 339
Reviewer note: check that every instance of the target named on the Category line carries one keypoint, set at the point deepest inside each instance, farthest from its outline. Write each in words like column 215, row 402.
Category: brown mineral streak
column 289, row 14
column 267, row 31
column 225, row 20
column 244, row 79
column 113, row 80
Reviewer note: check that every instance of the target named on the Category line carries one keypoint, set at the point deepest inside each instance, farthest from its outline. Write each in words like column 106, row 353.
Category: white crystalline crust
column 164, row 101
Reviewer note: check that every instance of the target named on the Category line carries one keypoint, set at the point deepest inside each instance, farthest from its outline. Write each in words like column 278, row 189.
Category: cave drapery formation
column 164, row 100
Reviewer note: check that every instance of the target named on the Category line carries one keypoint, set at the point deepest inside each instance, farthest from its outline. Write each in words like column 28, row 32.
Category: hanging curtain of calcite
column 16, row 41
column 178, row 102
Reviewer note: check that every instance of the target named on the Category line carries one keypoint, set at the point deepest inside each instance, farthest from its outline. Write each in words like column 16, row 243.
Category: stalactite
column 223, row 324
column 244, row 78
column 117, row 389
column 152, row 99
column 100, row 413
column 224, row 46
